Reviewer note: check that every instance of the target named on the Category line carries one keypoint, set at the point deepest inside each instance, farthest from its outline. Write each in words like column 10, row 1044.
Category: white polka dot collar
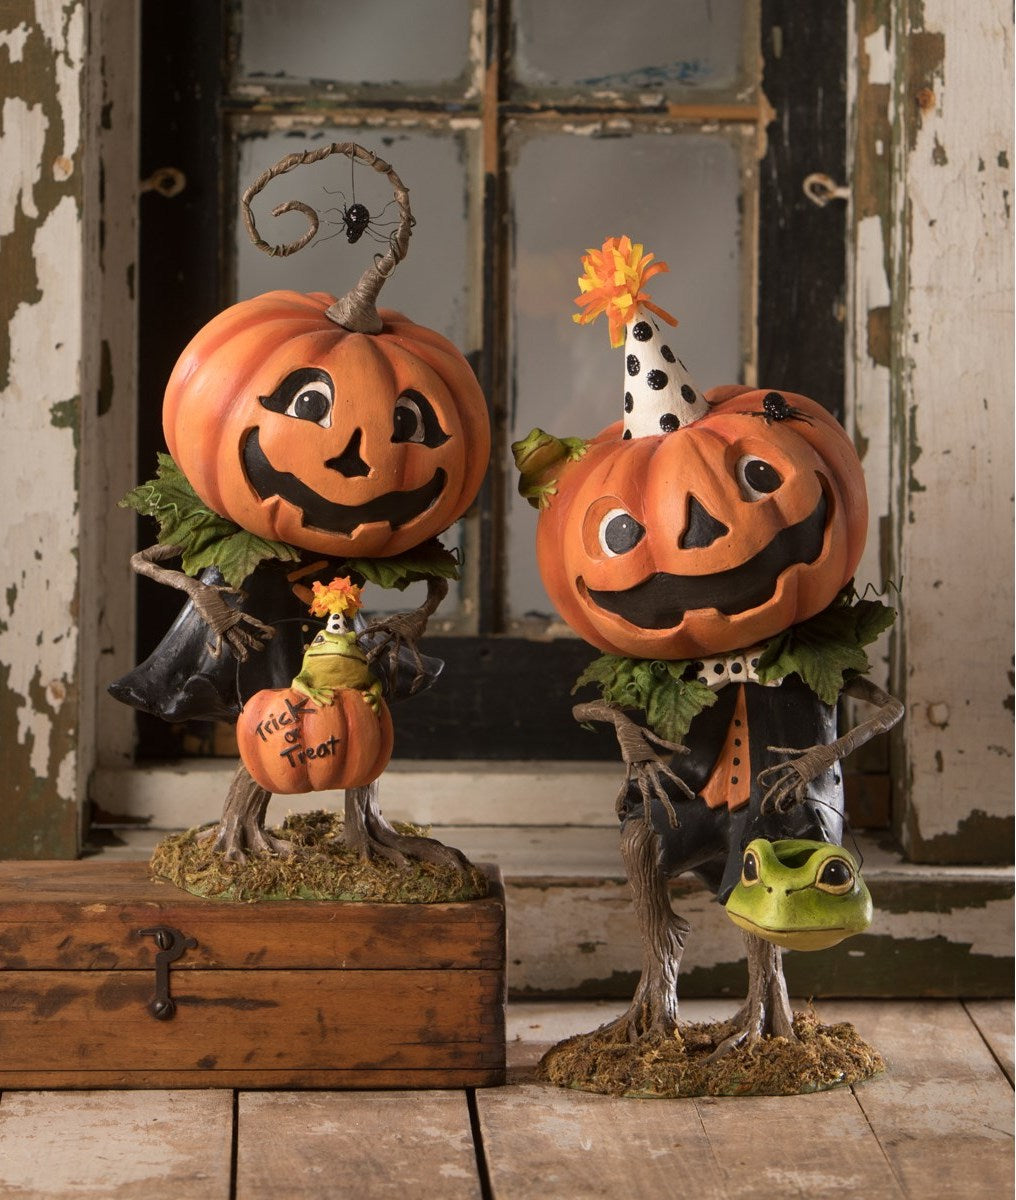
column 739, row 667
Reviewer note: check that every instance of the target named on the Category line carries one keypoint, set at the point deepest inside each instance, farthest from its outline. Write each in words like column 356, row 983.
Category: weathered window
column 526, row 132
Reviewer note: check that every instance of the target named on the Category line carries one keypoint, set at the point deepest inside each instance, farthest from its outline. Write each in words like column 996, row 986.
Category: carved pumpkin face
column 708, row 539
column 340, row 443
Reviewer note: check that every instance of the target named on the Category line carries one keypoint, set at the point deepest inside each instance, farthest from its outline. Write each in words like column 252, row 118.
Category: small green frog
column 538, row 456
column 802, row 895
column 334, row 661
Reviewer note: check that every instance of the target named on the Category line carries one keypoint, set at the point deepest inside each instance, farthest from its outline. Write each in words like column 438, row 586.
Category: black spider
column 776, row 408
column 355, row 218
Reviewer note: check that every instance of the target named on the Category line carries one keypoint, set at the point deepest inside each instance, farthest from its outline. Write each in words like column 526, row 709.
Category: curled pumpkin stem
column 357, row 309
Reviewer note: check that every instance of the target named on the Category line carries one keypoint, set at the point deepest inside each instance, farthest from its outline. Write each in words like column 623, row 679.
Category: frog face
column 802, row 895
column 327, row 643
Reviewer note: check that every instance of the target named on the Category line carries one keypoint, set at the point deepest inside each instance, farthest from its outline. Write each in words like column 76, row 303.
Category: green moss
column 660, row 1067
column 320, row 868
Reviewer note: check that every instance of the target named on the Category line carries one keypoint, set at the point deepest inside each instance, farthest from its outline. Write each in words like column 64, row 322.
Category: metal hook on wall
column 820, row 189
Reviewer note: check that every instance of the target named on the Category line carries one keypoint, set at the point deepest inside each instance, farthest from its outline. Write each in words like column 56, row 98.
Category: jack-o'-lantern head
column 699, row 523
column 329, row 424
column 711, row 538
column 337, row 442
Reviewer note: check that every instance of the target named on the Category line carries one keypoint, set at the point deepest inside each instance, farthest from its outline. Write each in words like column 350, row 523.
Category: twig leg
column 368, row 833
column 767, row 1011
column 654, row 1006
column 241, row 829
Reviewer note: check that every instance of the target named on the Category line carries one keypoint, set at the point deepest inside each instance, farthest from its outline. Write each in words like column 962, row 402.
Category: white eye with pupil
column 619, row 532
column 408, row 424
column 312, row 403
column 756, row 478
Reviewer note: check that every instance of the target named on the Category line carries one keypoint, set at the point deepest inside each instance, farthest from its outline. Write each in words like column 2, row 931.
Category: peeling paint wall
column 42, row 63
column 932, row 398
column 66, row 262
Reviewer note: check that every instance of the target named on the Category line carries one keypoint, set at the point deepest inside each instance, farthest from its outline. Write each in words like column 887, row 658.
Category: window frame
column 488, row 662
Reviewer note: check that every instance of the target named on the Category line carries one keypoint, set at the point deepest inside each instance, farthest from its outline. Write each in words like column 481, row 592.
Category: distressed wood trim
column 931, row 385
column 109, row 415
column 45, row 259
column 955, row 147
column 801, row 246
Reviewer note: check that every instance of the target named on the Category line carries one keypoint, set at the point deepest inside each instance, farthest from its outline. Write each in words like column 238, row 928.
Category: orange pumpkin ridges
column 662, row 547
column 291, row 745
column 340, row 443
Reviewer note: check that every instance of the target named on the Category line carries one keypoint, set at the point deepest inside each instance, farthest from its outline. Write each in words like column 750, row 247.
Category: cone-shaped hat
column 660, row 395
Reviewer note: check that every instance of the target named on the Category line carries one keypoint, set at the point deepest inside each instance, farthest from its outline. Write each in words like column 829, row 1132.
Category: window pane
column 355, row 44
column 597, row 46
column 434, row 283
column 678, row 194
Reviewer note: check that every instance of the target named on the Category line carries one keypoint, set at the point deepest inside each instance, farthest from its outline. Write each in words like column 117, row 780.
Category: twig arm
column 785, row 782
column 239, row 630
column 643, row 764
column 389, row 634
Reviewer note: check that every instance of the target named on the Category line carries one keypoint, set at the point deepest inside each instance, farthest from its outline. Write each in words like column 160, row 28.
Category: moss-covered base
column 659, row 1067
column 320, row 868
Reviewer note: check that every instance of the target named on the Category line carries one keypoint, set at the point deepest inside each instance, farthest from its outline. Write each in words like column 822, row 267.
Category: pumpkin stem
column 357, row 310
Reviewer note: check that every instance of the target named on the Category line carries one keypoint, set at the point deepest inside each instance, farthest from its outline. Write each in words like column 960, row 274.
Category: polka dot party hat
column 659, row 394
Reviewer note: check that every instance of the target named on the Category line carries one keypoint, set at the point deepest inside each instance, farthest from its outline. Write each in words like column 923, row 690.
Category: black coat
column 181, row 680
column 710, row 841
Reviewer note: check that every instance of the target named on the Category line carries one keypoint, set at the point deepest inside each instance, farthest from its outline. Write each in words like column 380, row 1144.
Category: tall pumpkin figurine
column 706, row 544
column 311, row 439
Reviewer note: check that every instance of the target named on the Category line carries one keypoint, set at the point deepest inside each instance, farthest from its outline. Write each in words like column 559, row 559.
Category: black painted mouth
column 397, row 508
column 661, row 601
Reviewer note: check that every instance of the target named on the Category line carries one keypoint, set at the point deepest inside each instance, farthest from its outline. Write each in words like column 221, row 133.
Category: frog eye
column 749, row 869
column 836, row 876
column 318, row 640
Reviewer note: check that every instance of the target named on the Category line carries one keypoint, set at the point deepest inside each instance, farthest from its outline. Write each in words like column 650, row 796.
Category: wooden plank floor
column 938, row 1125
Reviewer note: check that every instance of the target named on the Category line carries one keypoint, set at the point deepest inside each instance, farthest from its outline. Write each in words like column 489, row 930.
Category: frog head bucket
column 706, row 543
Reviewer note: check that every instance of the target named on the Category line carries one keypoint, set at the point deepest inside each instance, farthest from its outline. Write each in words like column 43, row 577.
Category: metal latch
column 172, row 944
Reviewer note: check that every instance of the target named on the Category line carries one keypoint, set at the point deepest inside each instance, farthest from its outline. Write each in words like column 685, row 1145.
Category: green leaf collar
column 208, row 540
column 826, row 651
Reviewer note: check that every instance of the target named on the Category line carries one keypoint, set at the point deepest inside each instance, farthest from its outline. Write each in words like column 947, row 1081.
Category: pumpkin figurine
column 706, row 543
column 311, row 438
column 331, row 727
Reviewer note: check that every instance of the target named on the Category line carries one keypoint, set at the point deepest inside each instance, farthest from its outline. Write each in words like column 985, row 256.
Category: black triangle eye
column 414, row 420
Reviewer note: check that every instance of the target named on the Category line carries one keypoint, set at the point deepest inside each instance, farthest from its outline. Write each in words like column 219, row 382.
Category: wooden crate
column 275, row 995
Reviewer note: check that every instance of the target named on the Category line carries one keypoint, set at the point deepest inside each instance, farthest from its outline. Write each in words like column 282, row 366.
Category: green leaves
column 207, row 540
column 827, row 651
column 429, row 561
column 659, row 689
